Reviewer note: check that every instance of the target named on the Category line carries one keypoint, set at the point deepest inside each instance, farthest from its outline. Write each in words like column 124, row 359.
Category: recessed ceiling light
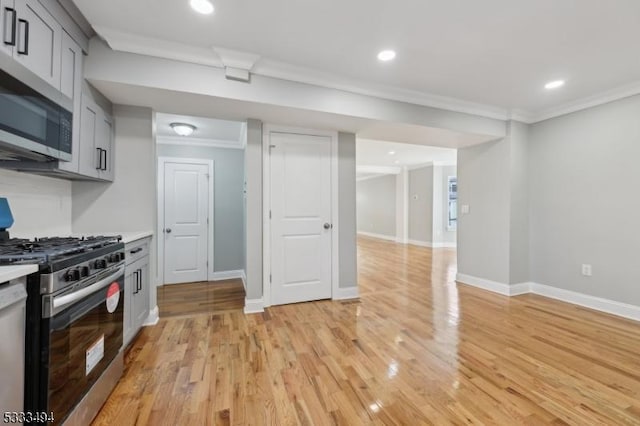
column 392, row 153
column 386, row 55
column 202, row 6
column 183, row 129
column 554, row 84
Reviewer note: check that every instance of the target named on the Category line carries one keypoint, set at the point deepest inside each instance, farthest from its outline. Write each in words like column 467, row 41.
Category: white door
column 300, row 218
column 186, row 206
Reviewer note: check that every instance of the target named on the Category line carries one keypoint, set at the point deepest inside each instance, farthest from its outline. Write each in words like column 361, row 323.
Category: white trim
column 153, row 318
column 160, row 211
column 432, row 245
column 379, row 236
column 226, row 275
column 202, row 142
column 600, row 304
column 597, row 303
column 253, row 306
column 133, row 43
column 383, row 170
column 484, row 284
column 363, row 178
column 267, row 129
column 346, row 293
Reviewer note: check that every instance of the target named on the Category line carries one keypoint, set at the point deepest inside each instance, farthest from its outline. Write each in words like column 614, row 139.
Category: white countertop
column 8, row 273
column 129, row 237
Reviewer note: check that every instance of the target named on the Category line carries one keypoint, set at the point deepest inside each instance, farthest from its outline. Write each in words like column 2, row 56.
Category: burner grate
column 44, row 250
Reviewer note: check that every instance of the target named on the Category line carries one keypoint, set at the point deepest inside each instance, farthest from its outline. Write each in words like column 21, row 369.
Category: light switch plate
column 465, row 209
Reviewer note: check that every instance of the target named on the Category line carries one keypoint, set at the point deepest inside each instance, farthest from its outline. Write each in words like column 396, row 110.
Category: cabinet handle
column 25, row 51
column 99, row 166
column 136, row 275
column 105, row 159
column 14, row 26
column 140, row 281
column 138, row 250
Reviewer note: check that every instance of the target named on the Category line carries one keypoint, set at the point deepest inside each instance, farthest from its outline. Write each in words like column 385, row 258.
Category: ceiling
column 498, row 53
column 211, row 129
column 376, row 157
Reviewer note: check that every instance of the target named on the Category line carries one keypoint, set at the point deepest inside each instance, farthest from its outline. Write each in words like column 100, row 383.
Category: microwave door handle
column 14, row 26
column 25, row 50
column 67, row 299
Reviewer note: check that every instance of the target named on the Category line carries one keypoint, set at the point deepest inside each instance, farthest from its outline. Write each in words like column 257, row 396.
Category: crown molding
column 202, row 142
column 589, row 102
column 217, row 57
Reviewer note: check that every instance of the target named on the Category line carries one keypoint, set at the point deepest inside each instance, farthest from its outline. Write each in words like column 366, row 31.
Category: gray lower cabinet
column 137, row 282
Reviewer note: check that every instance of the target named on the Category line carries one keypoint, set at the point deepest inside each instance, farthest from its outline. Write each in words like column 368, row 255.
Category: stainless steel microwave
column 35, row 118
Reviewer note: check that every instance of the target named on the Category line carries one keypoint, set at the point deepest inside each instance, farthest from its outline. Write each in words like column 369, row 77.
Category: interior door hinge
column 269, row 277
column 269, row 214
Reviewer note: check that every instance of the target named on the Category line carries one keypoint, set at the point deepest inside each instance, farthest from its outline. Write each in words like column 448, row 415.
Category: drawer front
column 137, row 250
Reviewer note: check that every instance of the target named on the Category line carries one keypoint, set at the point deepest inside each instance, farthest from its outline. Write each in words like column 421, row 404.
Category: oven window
column 83, row 340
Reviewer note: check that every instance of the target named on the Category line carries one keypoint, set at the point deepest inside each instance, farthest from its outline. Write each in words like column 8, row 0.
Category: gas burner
column 44, row 250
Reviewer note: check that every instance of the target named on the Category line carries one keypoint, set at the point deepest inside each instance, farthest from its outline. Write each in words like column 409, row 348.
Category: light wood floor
column 416, row 349
column 200, row 298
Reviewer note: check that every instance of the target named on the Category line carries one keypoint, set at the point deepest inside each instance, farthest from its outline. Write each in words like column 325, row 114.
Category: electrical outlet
column 586, row 270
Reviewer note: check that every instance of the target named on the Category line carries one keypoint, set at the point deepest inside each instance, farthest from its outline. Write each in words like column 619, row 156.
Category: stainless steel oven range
column 75, row 311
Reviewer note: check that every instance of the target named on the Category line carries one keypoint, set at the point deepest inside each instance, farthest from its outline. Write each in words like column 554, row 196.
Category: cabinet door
column 71, row 86
column 129, row 288
column 90, row 156
column 142, row 297
column 39, row 41
column 8, row 26
column 104, row 141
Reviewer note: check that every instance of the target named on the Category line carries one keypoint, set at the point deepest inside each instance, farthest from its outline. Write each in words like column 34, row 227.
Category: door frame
column 266, row 204
column 162, row 161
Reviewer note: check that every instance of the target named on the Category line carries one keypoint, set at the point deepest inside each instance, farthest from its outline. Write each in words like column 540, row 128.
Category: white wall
column 421, row 205
column 41, row 206
column 348, row 250
column 376, row 206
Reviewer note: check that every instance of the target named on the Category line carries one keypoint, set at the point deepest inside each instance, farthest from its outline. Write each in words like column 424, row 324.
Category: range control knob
column 72, row 275
column 100, row 264
column 84, row 271
column 114, row 258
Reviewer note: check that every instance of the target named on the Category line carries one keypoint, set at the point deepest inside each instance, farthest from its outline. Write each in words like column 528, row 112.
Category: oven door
column 80, row 341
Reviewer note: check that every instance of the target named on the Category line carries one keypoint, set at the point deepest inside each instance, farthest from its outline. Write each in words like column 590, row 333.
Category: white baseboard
column 153, row 318
column 253, row 306
column 431, row 244
column 597, row 303
column 620, row 309
column 347, row 293
column 379, row 236
column 225, row 275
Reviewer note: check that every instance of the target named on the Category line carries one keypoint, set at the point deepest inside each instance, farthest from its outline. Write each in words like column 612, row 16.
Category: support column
column 402, row 206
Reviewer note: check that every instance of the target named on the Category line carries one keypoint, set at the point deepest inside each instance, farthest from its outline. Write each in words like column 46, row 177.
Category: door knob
column 328, row 226
column 168, row 230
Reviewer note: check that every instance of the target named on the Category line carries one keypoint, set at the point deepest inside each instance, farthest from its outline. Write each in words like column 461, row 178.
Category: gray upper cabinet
column 96, row 141
column 39, row 41
column 71, row 86
column 8, row 26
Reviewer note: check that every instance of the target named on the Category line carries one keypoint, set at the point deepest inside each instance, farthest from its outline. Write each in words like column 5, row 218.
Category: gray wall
column 441, row 233
column 584, row 200
column 129, row 203
column 421, row 209
column 347, row 210
column 228, row 229
column 376, row 205
column 483, row 235
column 519, row 214
column 253, row 172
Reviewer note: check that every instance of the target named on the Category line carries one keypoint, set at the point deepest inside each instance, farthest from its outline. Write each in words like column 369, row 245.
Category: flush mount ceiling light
column 392, row 153
column 554, row 84
column 386, row 55
column 202, row 6
column 183, row 129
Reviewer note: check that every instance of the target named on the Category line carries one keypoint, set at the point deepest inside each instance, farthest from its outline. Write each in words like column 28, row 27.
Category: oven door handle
column 67, row 299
